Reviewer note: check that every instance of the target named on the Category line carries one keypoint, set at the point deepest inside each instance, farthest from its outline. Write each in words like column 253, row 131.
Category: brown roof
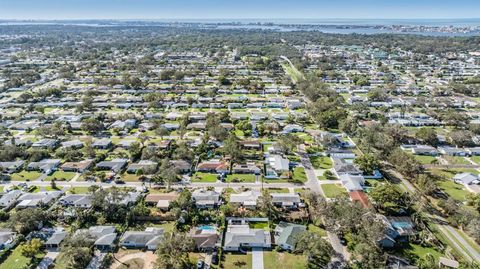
column 77, row 165
column 155, row 197
column 360, row 197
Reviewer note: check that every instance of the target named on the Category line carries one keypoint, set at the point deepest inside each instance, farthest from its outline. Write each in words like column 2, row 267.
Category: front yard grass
column 454, row 190
column 127, row 177
column 333, row 190
column 416, row 252
column 321, row 162
column 78, row 190
column 247, row 178
column 283, row 260
column 299, row 174
column 240, row 261
column 25, row 176
column 60, row 175
column 423, row 159
column 315, row 229
column 204, row 177
column 18, row 261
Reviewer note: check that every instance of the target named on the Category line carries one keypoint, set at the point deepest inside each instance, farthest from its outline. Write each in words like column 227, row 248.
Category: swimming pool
column 207, row 227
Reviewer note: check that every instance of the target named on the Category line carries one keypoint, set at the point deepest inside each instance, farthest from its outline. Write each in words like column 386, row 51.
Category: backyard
column 18, row 261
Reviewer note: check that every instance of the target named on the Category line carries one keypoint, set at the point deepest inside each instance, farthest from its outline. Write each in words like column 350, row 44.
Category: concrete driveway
column 257, row 258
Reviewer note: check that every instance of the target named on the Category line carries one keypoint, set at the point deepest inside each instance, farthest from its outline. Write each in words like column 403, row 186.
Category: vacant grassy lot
column 321, row 162
column 333, row 190
column 204, row 177
column 25, row 175
column 240, row 178
column 283, row 260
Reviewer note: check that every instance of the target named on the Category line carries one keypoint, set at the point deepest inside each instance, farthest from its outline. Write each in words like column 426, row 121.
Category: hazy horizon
column 236, row 10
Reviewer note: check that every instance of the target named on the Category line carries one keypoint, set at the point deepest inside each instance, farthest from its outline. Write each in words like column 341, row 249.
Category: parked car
column 215, row 257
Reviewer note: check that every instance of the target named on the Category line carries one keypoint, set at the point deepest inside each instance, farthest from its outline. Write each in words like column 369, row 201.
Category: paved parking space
column 257, row 258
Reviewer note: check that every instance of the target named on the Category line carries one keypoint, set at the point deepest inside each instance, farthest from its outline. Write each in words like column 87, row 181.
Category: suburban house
column 11, row 167
column 286, row 234
column 73, row 144
column 205, row 198
column 46, row 166
column 161, row 200
column 102, row 143
column 104, row 236
column 148, row 239
column 46, row 143
column 452, row 151
column 213, row 166
column 277, row 167
column 206, row 238
column 286, row 200
column 249, row 168
column 342, row 167
column 352, row 182
column 240, row 237
column 54, row 240
column 466, row 179
column 7, row 239
column 181, row 166
column 247, row 199
column 398, row 229
column 9, row 199
column 78, row 167
column 146, row 166
column 360, row 197
column 76, row 200
column 37, row 199
column 115, row 165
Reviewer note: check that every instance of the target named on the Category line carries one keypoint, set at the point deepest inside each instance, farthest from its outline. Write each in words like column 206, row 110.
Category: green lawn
column 454, row 190
column 333, row 190
column 456, row 160
column 424, row 159
column 316, row 229
column 25, row 175
column 18, row 261
column 321, row 162
column 259, row 225
column 240, row 178
column 129, row 177
column 278, row 190
column 476, row 159
column 299, row 174
column 415, row 252
column 450, row 173
column 204, row 177
column 60, row 175
column 78, row 190
column 238, row 261
column 283, row 260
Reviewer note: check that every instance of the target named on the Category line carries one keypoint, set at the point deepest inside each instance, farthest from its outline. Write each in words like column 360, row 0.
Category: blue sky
column 204, row 9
